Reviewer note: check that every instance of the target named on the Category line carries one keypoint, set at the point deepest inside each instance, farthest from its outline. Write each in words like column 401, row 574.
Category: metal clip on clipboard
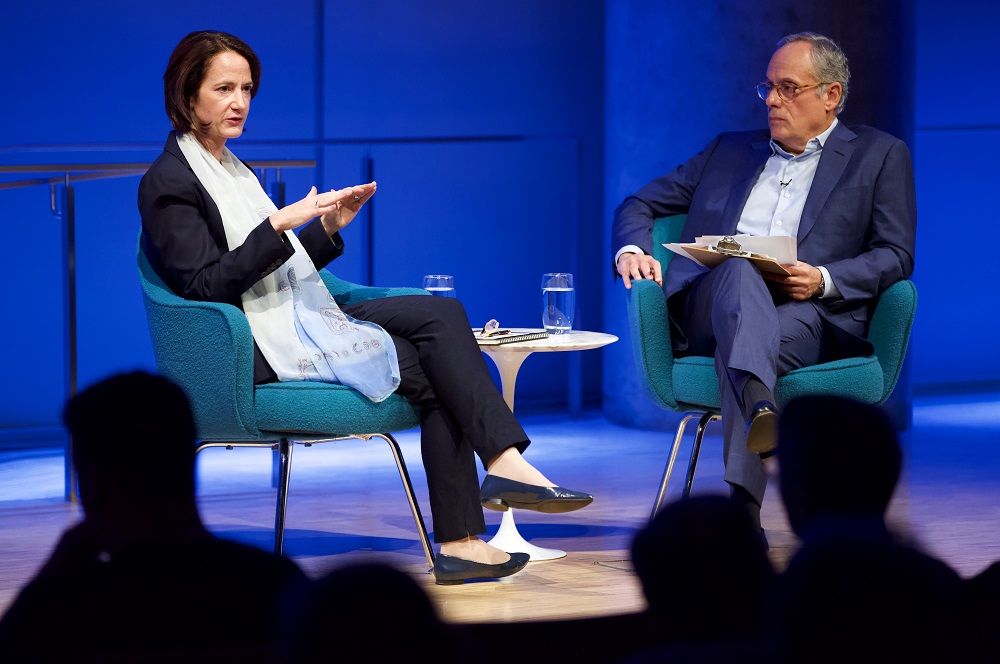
column 729, row 245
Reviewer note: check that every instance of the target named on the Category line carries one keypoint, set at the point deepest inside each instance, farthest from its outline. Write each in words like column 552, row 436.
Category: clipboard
column 727, row 247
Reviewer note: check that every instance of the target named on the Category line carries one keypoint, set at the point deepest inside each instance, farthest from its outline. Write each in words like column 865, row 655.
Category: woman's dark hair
column 187, row 67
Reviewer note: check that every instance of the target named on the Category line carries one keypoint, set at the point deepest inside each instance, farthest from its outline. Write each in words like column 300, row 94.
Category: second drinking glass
column 442, row 285
column 558, row 302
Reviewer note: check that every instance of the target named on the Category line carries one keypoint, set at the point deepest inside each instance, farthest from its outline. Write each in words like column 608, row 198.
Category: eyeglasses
column 786, row 91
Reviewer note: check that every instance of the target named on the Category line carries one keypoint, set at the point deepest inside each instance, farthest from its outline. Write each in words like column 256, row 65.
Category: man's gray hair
column 829, row 62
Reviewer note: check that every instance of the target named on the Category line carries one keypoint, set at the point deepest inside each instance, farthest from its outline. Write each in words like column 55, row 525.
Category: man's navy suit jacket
column 859, row 219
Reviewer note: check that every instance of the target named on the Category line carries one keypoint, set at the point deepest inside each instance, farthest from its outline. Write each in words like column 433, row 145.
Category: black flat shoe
column 500, row 493
column 449, row 570
column 762, row 428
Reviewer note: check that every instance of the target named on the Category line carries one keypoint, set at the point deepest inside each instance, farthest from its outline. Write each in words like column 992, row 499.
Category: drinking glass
column 558, row 302
column 442, row 285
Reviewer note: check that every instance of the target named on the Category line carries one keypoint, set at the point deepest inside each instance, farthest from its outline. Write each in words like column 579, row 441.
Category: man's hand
column 639, row 266
column 801, row 284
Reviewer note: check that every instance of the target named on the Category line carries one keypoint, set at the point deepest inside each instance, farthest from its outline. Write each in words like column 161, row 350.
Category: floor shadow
column 566, row 530
column 302, row 542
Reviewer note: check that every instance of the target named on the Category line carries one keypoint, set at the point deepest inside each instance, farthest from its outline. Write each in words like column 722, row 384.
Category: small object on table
column 492, row 335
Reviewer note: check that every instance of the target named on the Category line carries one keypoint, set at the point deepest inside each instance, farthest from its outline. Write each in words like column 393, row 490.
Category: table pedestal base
column 508, row 358
column 509, row 540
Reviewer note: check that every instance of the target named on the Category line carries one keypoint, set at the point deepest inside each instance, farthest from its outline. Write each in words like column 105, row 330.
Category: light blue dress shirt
column 777, row 198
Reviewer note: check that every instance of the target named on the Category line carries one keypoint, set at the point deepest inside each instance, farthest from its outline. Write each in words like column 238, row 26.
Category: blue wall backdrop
column 957, row 133
column 495, row 132
column 482, row 123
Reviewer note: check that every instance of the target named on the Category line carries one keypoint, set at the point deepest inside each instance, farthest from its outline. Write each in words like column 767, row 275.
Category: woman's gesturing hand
column 335, row 208
column 349, row 201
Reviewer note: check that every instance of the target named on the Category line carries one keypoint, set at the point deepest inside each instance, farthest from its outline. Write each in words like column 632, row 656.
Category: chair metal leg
column 285, row 448
column 284, row 467
column 696, row 450
column 670, row 464
column 404, row 475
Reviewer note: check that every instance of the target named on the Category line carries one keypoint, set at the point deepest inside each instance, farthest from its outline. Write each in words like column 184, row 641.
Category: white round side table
column 508, row 358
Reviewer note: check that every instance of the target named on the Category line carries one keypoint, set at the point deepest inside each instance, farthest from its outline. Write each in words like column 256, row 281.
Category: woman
column 212, row 234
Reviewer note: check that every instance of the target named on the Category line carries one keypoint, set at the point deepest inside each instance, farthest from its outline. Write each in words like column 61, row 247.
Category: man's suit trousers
column 731, row 313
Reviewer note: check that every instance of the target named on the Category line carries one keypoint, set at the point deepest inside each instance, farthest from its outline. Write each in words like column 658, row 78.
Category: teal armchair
column 207, row 349
column 688, row 385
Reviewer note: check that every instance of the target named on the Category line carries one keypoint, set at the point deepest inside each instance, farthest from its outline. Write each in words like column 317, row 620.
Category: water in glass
column 442, row 285
column 558, row 302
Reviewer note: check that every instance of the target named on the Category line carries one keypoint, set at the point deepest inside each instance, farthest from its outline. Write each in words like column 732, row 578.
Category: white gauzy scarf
column 295, row 321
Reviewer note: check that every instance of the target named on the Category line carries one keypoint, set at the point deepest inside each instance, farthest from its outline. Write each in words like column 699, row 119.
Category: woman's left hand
column 349, row 202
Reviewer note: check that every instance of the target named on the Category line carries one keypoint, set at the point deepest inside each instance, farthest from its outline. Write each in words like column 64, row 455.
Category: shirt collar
column 814, row 145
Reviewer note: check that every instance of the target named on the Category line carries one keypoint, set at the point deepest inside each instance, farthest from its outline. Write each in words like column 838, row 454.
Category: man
column 810, row 427
column 140, row 578
column 858, row 584
column 718, row 546
column 847, row 195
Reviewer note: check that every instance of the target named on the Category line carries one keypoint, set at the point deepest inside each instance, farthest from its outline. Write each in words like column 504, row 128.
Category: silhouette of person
column 705, row 572
column 977, row 639
column 860, row 596
column 855, row 590
column 140, row 578
column 837, row 459
column 364, row 612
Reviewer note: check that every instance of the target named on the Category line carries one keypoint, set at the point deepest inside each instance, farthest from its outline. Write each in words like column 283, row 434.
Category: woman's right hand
column 313, row 205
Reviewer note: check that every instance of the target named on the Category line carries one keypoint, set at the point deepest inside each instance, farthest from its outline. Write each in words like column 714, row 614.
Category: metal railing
column 60, row 178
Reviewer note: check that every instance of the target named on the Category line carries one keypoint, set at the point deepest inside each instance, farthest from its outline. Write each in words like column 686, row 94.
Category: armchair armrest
column 649, row 329
column 207, row 349
column 889, row 330
column 345, row 292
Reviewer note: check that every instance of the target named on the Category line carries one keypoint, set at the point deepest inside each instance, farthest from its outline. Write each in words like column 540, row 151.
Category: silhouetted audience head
column 837, row 457
column 140, row 579
column 369, row 612
column 133, row 434
column 694, row 559
column 854, row 591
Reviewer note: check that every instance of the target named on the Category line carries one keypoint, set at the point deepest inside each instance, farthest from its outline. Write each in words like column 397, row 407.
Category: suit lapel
column 745, row 175
column 173, row 148
column 832, row 162
column 212, row 214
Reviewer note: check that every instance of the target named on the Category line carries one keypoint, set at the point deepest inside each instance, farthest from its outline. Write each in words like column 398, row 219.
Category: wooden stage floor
column 346, row 504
